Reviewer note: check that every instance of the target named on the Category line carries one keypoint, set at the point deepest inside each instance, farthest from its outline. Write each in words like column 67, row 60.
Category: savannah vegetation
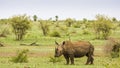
column 29, row 42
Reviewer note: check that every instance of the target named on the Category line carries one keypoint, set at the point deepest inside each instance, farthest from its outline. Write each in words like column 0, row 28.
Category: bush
column 20, row 25
column 69, row 22
column 55, row 34
column 54, row 60
column 44, row 25
column 102, row 27
column 21, row 57
column 112, row 48
column 5, row 28
column 86, row 32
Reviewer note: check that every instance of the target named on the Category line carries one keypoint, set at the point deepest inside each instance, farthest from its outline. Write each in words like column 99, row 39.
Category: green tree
column 69, row 22
column 20, row 25
column 44, row 26
column 56, row 18
column 4, row 27
column 35, row 17
column 114, row 19
column 84, row 20
column 102, row 26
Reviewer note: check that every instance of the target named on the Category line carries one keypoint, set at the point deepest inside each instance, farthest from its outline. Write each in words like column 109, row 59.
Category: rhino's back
column 78, row 49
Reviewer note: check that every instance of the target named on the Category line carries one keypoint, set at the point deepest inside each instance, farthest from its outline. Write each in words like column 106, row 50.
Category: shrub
column 55, row 34
column 77, row 24
column 54, row 60
column 20, row 25
column 86, row 32
column 112, row 48
column 21, row 57
column 69, row 22
column 5, row 28
column 44, row 26
column 102, row 27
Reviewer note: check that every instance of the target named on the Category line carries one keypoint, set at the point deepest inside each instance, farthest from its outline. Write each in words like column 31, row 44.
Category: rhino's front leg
column 67, row 59
column 72, row 59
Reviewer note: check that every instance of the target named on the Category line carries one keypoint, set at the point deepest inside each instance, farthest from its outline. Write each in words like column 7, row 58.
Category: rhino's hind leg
column 88, row 60
column 92, row 59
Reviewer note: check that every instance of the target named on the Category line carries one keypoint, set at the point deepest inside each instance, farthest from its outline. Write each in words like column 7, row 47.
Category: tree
column 20, row 25
column 56, row 18
column 44, row 26
column 4, row 27
column 35, row 17
column 69, row 22
column 84, row 20
column 102, row 26
column 114, row 19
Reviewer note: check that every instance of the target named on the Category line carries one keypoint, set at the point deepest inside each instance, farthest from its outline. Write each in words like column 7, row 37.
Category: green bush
column 5, row 28
column 20, row 25
column 85, row 32
column 54, row 60
column 114, row 54
column 44, row 25
column 21, row 57
column 55, row 34
column 102, row 27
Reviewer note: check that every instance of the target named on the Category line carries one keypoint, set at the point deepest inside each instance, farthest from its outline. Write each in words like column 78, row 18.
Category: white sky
column 45, row 9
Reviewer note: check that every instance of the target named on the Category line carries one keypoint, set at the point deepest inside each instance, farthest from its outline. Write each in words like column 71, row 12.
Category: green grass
column 39, row 56
column 43, row 62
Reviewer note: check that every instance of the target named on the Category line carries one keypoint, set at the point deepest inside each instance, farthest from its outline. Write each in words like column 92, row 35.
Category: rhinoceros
column 71, row 50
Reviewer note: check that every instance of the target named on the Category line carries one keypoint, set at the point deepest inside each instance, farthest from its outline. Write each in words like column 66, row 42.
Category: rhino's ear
column 63, row 42
column 56, row 43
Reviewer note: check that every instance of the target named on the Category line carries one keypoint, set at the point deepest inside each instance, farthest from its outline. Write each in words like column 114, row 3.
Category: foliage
column 55, row 34
column 35, row 17
column 85, row 32
column 20, row 25
column 21, row 56
column 54, row 60
column 4, row 27
column 44, row 25
column 102, row 27
column 112, row 48
column 69, row 22
column 56, row 18
column 77, row 24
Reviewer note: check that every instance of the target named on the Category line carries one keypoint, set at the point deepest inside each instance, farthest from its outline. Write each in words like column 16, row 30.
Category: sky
column 45, row 9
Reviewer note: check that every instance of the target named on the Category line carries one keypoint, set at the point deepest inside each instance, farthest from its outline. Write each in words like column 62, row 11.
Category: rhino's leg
column 92, row 59
column 67, row 59
column 72, row 59
column 88, row 59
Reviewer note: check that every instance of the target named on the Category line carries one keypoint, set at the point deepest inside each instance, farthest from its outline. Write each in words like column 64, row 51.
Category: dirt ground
column 98, row 52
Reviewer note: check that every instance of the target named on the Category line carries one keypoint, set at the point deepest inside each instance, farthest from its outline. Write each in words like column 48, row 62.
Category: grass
column 43, row 62
column 39, row 56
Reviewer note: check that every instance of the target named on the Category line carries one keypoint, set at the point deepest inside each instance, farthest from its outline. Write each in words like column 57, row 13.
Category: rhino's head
column 59, row 49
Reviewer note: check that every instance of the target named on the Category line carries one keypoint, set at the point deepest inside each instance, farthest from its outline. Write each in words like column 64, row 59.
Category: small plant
column 55, row 34
column 21, row 57
column 54, row 60
column 86, row 32
column 114, row 54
